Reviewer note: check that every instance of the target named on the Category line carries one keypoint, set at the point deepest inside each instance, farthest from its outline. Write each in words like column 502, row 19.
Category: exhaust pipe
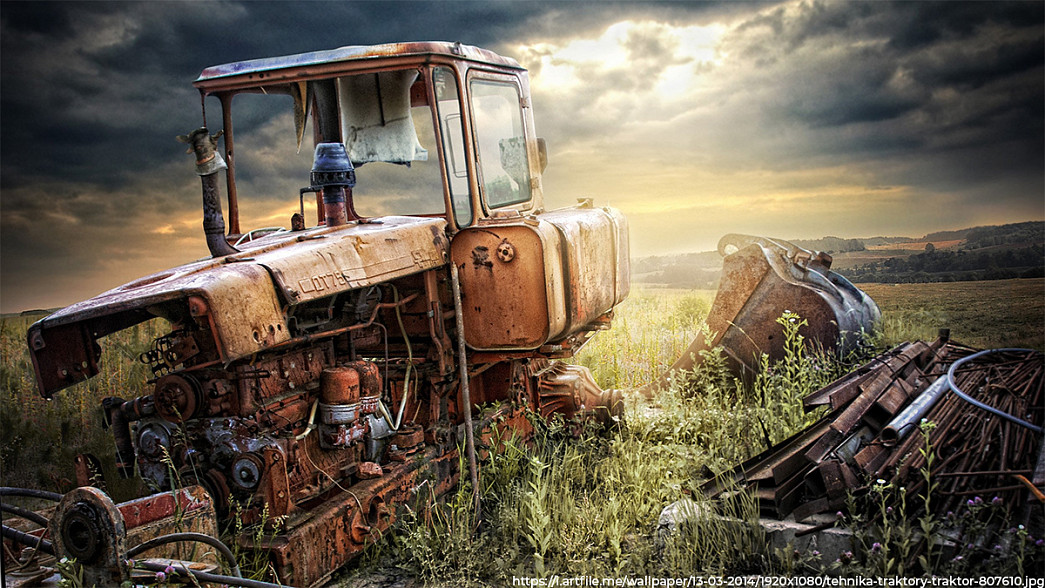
column 208, row 164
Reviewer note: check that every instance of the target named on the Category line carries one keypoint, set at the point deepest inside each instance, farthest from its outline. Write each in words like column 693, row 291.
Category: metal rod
column 977, row 403
column 984, row 473
column 178, row 537
column 26, row 514
column 207, row 576
column 26, row 539
column 30, row 493
column 469, row 435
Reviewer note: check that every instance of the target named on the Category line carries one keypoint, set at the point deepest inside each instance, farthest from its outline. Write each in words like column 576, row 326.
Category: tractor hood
column 244, row 295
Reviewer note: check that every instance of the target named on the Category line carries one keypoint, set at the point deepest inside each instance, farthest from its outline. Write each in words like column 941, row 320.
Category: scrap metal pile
column 985, row 410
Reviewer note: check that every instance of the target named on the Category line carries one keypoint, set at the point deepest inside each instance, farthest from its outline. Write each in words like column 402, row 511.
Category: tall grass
column 39, row 439
column 590, row 504
column 558, row 504
column 651, row 329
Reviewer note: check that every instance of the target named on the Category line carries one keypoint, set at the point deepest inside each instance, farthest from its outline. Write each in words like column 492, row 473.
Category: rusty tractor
column 321, row 374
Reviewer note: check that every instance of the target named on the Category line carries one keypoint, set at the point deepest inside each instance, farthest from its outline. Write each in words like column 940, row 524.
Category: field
column 654, row 326
column 1002, row 313
column 562, row 505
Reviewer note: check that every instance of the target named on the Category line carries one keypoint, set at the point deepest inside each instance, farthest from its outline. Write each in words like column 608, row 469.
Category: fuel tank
column 531, row 280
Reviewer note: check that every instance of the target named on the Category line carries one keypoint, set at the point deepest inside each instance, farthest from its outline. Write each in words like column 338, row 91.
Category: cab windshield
column 387, row 125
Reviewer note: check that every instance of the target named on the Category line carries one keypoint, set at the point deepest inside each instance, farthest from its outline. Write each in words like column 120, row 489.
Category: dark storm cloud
column 83, row 80
column 939, row 96
column 860, row 78
column 93, row 94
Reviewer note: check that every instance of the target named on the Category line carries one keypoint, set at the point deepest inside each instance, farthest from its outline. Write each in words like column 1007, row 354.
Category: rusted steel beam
column 977, row 453
column 889, row 403
column 842, row 391
column 873, row 388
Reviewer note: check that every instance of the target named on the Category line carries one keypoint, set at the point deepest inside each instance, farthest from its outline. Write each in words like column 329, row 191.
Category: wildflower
column 978, row 500
column 950, row 515
column 970, row 502
column 1012, row 531
column 881, row 482
column 888, row 510
column 996, row 500
column 1039, row 543
column 997, row 548
column 168, row 570
column 839, row 514
column 816, row 553
column 160, row 576
column 876, row 547
column 847, row 556
column 958, row 558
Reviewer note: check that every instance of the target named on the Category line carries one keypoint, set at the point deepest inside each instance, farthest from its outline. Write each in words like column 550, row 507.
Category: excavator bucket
column 763, row 278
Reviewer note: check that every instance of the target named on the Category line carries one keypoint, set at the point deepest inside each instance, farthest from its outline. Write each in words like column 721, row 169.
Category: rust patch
column 481, row 258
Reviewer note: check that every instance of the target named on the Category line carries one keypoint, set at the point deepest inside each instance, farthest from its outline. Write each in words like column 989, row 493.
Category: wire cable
column 198, row 537
column 954, row 386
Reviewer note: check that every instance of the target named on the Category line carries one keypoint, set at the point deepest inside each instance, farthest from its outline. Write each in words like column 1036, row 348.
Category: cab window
column 386, row 124
column 449, row 110
column 503, row 166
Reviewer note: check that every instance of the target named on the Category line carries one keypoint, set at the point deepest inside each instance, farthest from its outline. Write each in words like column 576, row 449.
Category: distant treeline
column 831, row 244
column 954, row 266
column 1029, row 232
column 987, row 253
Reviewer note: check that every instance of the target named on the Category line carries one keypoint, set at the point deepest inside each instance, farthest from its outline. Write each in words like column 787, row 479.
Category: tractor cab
column 428, row 129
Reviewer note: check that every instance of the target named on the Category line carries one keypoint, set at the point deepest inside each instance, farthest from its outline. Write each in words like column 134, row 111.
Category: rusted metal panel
column 238, row 298
column 188, row 509
column 242, row 305
column 327, row 261
column 595, row 260
column 527, row 281
column 237, row 294
column 511, row 284
column 269, row 66
column 62, row 356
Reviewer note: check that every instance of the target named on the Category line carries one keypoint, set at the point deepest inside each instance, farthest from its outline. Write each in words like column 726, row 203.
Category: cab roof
column 262, row 68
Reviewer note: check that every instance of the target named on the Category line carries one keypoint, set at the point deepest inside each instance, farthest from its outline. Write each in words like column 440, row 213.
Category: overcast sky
column 789, row 119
